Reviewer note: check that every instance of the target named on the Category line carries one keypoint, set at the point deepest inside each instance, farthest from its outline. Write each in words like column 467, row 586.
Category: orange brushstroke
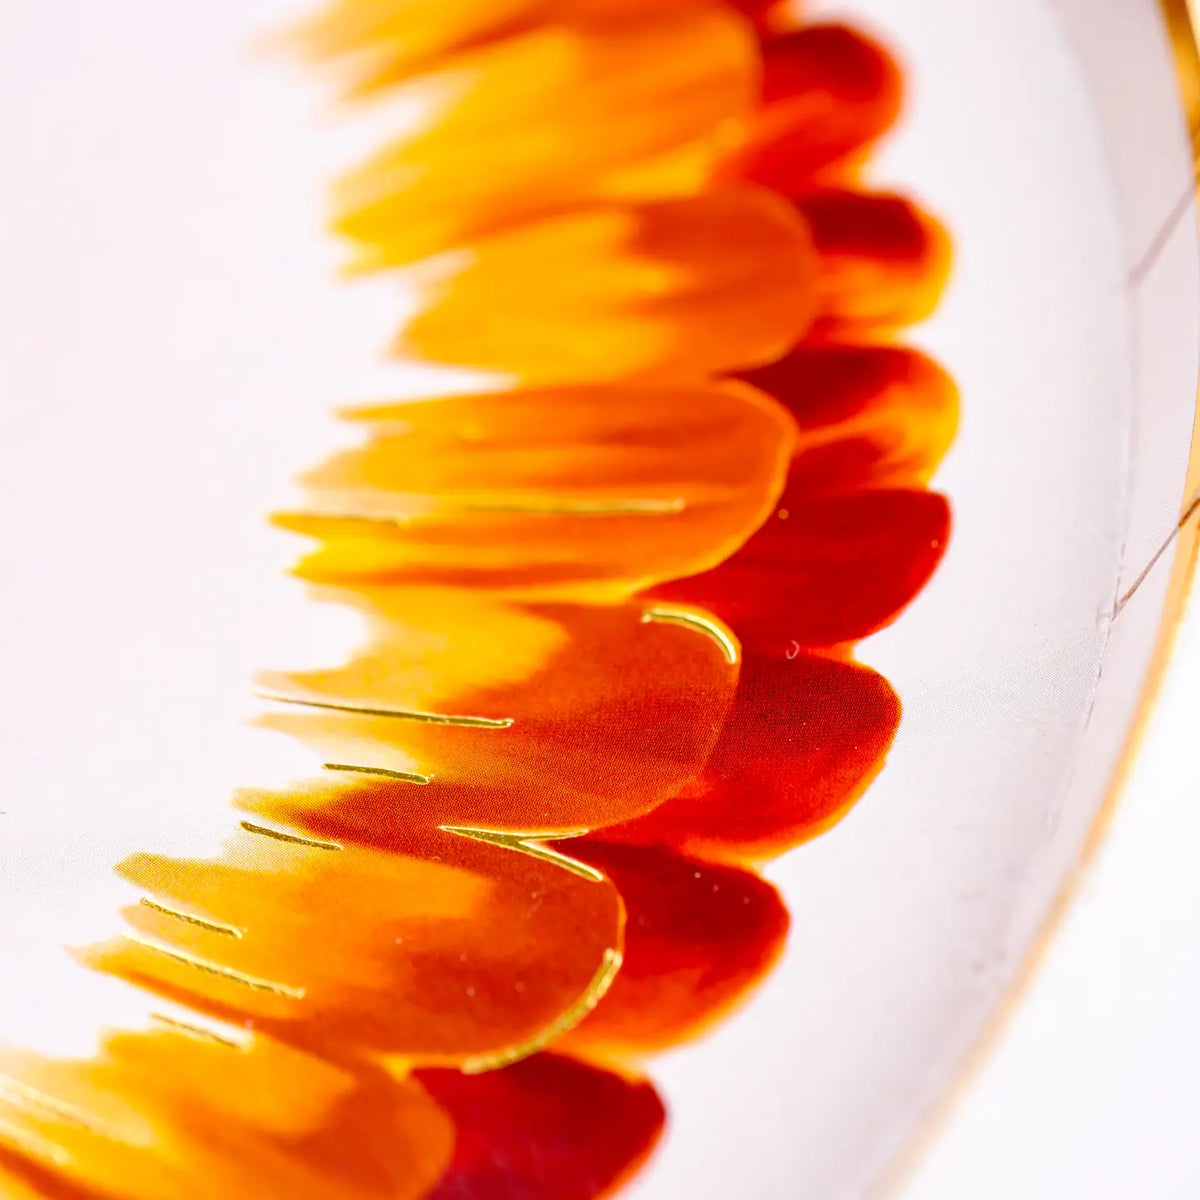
column 416, row 944
column 828, row 94
column 570, row 491
column 884, row 262
column 670, row 289
column 165, row 1116
column 618, row 714
column 869, row 416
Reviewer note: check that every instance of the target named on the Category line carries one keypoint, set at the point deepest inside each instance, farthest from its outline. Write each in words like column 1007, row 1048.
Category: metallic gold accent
column 636, row 507
column 404, row 714
column 32, row 1143
column 386, row 772
column 294, row 839
column 593, row 994
column 39, row 1104
column 582, row 508
column 695, row 620
column 216, row 969
column 531, row 844
column 200, row 1033
column 200, row 922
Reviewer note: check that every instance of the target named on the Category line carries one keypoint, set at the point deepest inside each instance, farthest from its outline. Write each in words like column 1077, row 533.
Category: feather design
column 612, row 607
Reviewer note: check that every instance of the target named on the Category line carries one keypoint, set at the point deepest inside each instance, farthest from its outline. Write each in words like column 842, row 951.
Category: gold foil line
column 293, row 839
column 531, row 844
column 694, row 620
column 403, row 714
column 592, row 995
column 191, row 919
column 386, row 772
column 38, row 1103
column 216, row 969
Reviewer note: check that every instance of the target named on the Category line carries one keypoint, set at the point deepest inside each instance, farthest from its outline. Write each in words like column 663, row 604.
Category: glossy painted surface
column 610, row 624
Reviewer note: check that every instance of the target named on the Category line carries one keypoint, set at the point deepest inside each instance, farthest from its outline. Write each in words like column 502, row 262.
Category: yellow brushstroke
column 40, row 1147
column 201, row 1033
